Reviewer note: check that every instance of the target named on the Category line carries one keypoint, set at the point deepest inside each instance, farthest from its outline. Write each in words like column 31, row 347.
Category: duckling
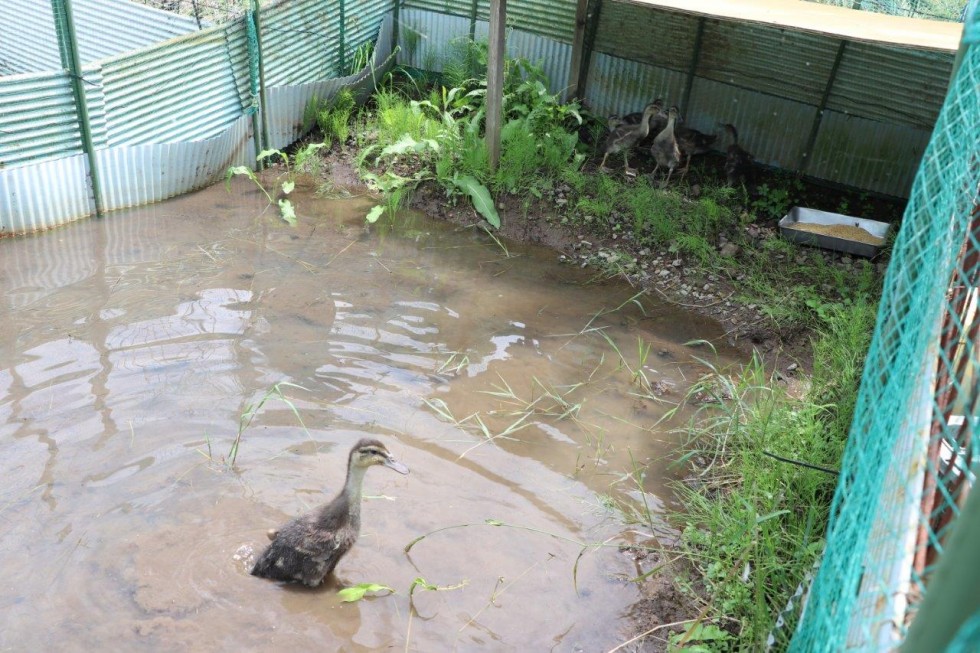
column 692, row 142
column 625, row 136
column 657, row 122
column 665, row 149
column 309, row 547
column 737, row 160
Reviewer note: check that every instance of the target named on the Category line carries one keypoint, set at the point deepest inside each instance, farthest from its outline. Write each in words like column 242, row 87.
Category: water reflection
column 133, row 345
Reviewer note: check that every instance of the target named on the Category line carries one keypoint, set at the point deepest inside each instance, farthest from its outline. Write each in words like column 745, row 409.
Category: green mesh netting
column 905, row 473
column 932, row 9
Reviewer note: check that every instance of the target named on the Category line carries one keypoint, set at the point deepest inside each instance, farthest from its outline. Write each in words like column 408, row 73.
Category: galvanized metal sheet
column 426, row 38
column 28, row 41
column 788, row 65
column 285, row 105
column 773, row 129
column 620, row 86
column 43, row 195
column 37, row 118
column 904, row 87
column 140, row 174
column 543, row 17
column 182, row 90
column 657, row 38
column 300, row 42
column 868, row 154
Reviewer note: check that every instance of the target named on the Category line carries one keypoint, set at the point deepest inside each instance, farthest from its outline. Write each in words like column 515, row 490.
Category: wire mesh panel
column 906, row 473
column 933, row 9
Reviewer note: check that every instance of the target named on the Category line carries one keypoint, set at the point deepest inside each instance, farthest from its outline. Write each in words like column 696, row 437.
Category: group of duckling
column 672, row 144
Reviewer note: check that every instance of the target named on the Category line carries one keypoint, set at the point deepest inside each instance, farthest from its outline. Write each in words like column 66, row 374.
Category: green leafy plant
column 334, row 117
column 285, row 182
column 699, row 638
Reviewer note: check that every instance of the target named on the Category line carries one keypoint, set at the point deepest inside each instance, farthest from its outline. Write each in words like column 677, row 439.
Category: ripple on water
column 133, row 345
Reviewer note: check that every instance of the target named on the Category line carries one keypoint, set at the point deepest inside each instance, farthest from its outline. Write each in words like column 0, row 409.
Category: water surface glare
column 131, row 346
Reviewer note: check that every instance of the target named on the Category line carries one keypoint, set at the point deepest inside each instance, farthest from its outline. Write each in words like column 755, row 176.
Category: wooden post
column 578, row 46
column 495, row 79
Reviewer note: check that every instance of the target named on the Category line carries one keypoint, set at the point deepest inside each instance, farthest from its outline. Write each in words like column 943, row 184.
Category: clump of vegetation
column 440, row 136
column 753, row 526
column 334, row 118
column 303, row 160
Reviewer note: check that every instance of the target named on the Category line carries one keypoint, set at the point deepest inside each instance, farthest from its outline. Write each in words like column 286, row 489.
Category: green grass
column 753, row 528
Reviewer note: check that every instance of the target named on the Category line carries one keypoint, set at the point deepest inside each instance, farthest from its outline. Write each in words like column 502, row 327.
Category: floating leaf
column 375, row 213
column 357, row 592
column 287, row 212
column 481, row 198
column 288, row 186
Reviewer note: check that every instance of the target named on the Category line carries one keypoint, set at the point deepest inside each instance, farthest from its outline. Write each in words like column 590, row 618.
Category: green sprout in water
column 284, row 183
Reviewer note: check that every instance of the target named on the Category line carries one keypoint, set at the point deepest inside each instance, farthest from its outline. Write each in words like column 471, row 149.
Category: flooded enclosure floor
column 523, row 395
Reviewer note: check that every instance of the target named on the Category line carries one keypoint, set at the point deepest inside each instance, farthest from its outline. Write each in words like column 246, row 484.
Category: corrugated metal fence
column 852, row 113
column 169, row 106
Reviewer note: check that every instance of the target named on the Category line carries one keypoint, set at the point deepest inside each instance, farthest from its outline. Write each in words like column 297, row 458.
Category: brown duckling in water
column 624, row 136
column 308, row 548
column 737, row 160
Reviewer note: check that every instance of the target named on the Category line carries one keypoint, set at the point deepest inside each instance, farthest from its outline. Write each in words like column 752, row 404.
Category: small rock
column 792, row 367
column 706, row 286
column 677, row 263
column 728, row 249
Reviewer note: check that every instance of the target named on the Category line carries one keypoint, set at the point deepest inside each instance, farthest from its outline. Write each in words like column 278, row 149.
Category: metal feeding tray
column 842, row 233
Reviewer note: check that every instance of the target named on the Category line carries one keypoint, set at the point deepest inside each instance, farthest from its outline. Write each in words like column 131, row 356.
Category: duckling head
column 369, row 452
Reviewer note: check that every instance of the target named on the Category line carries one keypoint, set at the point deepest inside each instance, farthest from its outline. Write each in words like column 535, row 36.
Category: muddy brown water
column 132, row 344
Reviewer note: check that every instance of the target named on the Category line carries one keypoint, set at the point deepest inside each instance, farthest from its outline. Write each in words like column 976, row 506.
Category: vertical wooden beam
column 578, row 47
column 495, row 79
column 588, row 44
column 693, row 68
column 811, row 140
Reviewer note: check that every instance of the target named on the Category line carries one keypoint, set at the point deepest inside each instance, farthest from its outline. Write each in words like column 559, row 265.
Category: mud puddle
column 511, row 386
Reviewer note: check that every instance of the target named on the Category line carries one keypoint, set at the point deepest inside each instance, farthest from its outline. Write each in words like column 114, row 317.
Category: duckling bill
column 308, row 548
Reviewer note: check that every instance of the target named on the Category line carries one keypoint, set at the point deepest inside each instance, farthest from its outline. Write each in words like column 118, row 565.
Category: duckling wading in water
column 309, row 547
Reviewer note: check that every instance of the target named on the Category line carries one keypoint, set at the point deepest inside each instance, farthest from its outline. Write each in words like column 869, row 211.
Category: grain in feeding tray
column 842, row 233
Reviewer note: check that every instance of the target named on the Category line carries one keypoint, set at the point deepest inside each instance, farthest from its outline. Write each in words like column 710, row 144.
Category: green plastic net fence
column 932, row 9
column 906, row 472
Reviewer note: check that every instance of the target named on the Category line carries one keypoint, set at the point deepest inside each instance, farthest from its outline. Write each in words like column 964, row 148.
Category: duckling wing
column 302, row 551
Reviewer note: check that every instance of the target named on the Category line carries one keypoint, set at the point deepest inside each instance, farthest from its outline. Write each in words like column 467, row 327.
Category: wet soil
column 132, row 345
